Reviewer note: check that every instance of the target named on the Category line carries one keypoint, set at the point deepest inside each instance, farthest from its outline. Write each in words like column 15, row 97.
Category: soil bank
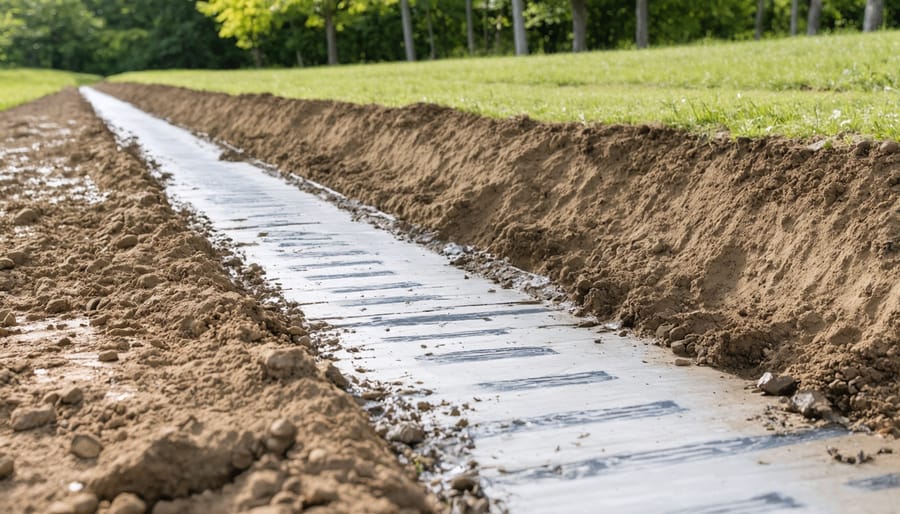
column 748, row 255
column 135, row 374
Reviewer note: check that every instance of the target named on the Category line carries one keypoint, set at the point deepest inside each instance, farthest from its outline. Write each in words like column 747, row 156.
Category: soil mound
column 135, row 375
column 749, row 255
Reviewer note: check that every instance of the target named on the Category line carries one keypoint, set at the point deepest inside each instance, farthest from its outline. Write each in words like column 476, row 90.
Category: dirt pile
column 135, row 375
column 748, row 255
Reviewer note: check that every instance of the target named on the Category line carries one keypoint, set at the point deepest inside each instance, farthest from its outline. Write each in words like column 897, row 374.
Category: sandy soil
column 137, row 373
column 747, row 255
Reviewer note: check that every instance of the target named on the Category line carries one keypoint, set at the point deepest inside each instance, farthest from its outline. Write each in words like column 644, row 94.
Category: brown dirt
column 751, row 255
column 198, row 396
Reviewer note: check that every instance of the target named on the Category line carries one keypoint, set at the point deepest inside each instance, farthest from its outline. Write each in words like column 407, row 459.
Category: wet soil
column 142, row 368
column 748, row 255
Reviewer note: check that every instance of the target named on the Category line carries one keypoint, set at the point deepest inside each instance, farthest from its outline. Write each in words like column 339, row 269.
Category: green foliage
column 796, row 87
column 23, row 85
column 247, row 21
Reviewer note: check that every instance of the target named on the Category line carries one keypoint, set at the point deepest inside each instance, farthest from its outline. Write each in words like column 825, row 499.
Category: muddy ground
column 748, row 255
column 140, row 369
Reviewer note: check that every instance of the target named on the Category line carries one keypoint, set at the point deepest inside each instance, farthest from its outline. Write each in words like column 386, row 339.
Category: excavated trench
column 559, row 416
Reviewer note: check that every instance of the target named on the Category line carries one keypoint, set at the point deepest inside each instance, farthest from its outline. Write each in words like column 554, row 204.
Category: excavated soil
column 748, row 255
column 138, row 370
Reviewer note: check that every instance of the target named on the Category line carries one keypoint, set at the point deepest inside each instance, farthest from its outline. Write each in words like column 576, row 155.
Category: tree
column 470, row 28
column 642, row 36
column 407, row 31
column 815, row 14
column 872, row 18
column 579, row 25
column 519, row 37
column 795, row 8
column 760, row 15
column 247, row 21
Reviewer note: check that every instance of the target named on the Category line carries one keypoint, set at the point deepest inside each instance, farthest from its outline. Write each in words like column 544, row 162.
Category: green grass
column 20, row 85
column 799, row 87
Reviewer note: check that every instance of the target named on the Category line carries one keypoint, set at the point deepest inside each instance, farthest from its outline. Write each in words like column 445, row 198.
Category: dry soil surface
column 137, row 371
column 748, row 255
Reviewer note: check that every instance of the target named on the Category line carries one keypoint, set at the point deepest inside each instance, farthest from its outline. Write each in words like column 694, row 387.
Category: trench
column 562, row 418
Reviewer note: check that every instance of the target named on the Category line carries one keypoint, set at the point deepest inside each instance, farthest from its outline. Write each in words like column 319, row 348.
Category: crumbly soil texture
column 748, row 255
column 144, row 370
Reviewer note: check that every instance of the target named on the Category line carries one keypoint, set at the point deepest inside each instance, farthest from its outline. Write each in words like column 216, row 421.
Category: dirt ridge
column 749, row 255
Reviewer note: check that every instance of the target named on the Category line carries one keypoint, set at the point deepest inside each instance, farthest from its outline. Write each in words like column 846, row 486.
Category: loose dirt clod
column 25, row 418
column 25, row 216
column 127, row 503
column 7, row 466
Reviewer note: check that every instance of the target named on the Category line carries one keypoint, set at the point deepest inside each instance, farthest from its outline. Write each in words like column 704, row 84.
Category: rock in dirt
column 776, row 385
column 26, row 419
column 126, row 241
column 7, row 319
column 127, row 503
column 464, row 482
column 259, row 489
column 406, row 432
column 682, row 362
column 72, row 396
column 150, row 280
column 7, row 466
column 84, row 503
column 281, row 436
column 680, row 348
column 811, row 404
column 7, row 263
column 57, row 305
column 286, row 362
column 889, row 147
column 334, row 375
column 108, row 356
column 25, row 217
column 85, row 446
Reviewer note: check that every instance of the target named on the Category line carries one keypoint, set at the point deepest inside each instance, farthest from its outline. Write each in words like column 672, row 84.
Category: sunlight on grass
column 20, row 85
column 795, row 87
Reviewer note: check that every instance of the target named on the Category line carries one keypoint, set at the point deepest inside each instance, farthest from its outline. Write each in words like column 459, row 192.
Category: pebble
column 334, row 375
column 406, row 432
column 26, row 419
column 8, row 319
column 282, row 429
column 84, row 503
column 72, row 396
column 150, row 280
column 50, row 398
column 285, row 362
column 811, row 404
column 317, row 456
column 57, row 305
column 127, row 503
column 889, row 147
column 108, row 356
column 126, row 241
column 680, row 348
column 7, row 466
column 776, row 385
column 85, row 446
column 25, row 216
column 59, row 508
column 7, row 263
column 682, row 362
column 464, row 482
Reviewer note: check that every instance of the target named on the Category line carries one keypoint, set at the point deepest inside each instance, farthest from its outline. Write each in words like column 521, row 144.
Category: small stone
column 84, row 503
column 286, row 362
column 406, row 432
column 320, row 495
column 284, row 498
column 682, row 362
column 811, row 404
column 93, row 304
column 27, row 419
column 18, row 256
column 25, row 217
column 7, row 466
column 85, row 446
column 282, row 429
column 680, row 348
column 126, row 241
column 127, row 503
column 776, row 385
column 57, row 305
column 296, row 330
column 150, row 280
column 464, row 482
column 72, row 396
column 889, row 147
column 8, row 319
column 108, row 356
column 59, row 508
column 334, row 375
column 317, row 456
column 662, row 331
column 7, row 263
column 50, row 398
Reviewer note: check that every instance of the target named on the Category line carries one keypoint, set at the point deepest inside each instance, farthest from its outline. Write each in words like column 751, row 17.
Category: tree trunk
column 299, row 58
column 519, row 28
column 432, row 54
column 257, row 57
column 470, row 29
column 795, row 8
column 579, row 26
column 815, row 13
column 331, row 37
column 874, row 11
column 642, row 34
column 760, row 15
column 407, row 30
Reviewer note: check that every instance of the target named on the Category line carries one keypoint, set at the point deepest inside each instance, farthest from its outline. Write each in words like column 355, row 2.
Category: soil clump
column 750, row 255
column 137, row 374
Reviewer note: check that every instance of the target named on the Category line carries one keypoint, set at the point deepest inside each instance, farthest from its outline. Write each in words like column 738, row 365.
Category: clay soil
column 748, row 255
column 139, row 368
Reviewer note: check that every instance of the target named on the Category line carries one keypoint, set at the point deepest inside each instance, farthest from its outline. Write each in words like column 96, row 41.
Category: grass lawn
column 20, row 85
column 826, row 85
